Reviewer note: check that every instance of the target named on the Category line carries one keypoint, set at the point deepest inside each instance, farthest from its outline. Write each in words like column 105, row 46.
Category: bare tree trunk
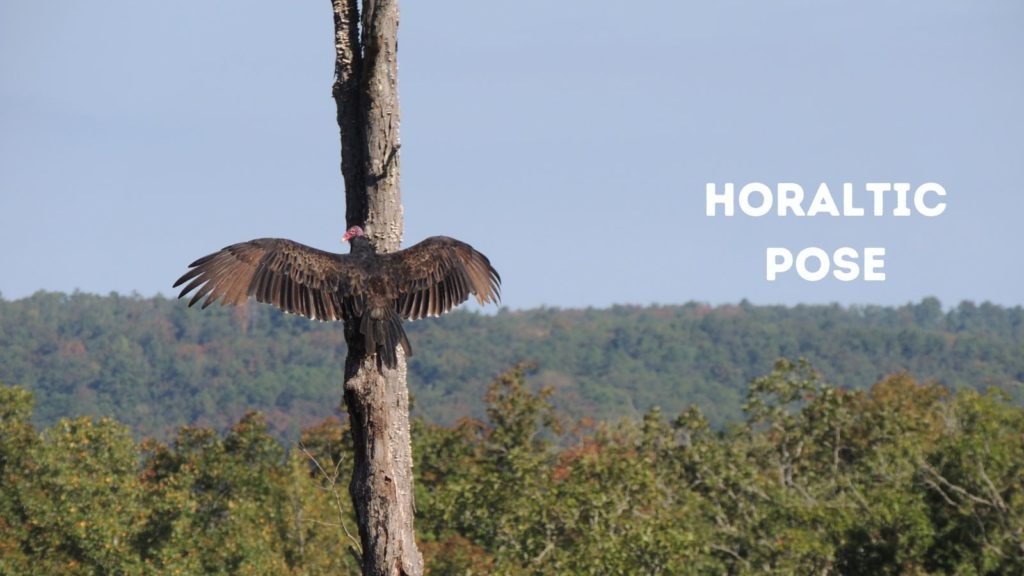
column 366, row 93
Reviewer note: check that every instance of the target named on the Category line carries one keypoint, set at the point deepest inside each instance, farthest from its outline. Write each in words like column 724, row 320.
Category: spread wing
column 438, row 274
column 292, row 276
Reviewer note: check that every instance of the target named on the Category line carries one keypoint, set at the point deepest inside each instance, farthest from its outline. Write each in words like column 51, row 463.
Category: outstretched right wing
column 438, row 274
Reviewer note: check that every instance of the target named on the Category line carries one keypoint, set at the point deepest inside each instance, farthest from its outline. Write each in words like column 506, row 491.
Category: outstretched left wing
column 292, row 276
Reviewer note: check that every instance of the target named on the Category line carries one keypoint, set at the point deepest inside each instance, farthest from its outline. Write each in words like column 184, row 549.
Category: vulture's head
column 351, row 233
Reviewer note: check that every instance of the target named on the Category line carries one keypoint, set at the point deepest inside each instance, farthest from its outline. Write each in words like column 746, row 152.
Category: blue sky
column 569, row 141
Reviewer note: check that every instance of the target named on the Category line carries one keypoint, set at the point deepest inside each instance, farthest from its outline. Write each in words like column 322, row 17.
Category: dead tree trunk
column 366, row 93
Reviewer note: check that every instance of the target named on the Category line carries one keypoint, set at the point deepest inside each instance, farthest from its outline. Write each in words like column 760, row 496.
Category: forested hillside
column 154, row 364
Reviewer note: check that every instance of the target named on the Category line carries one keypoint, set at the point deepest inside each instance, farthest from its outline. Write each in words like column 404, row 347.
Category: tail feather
column 382, row 333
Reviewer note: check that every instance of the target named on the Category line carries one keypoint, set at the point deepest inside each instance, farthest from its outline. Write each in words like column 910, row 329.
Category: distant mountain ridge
column 155, row 365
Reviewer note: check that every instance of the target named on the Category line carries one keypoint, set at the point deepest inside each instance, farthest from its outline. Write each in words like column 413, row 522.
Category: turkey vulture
column 377, row 290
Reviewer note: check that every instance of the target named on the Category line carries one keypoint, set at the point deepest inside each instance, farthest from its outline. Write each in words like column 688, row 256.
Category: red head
column 352, row 233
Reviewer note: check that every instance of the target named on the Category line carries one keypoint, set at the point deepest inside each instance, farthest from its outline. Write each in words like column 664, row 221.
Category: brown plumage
column 379, row 290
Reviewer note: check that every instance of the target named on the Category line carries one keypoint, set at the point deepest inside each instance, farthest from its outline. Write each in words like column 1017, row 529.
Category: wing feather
column 291, row 276
column 439, row 273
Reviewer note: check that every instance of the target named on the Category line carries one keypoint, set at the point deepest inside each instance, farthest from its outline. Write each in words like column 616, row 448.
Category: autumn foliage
column 902, row 478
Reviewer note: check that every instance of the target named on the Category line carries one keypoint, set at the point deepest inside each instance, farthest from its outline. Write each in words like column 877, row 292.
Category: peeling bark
column 381, row 488
column 366, row 93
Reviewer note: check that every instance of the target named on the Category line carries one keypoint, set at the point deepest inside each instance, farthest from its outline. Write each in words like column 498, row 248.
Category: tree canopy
column 155, row 365
column 903, row 477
